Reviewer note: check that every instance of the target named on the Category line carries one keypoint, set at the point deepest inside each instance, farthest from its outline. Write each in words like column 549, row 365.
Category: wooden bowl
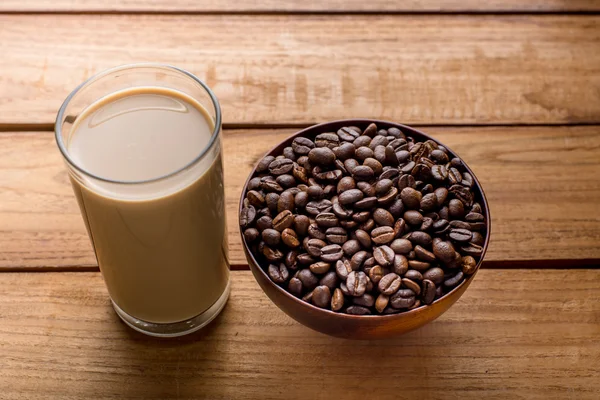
column 360, row 326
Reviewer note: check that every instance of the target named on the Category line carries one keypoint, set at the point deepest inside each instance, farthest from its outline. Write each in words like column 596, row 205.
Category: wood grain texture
column 541, row 182
column 297, row 5
column 287, row 69
column 528, row 334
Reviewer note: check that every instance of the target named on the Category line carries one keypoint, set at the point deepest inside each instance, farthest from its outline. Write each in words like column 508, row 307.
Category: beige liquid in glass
column 162, row 249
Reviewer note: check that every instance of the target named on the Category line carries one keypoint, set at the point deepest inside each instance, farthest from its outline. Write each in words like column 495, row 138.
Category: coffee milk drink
column 156, row 213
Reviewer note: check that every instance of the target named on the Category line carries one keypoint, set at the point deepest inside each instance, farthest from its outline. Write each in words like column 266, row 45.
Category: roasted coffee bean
column 408, row 167
column 379, row 141
column 389, row 284
column 379, row 153
column 254, row 183
column 456, row 224
column 332, row 253
column 391, row 174
column 302, row 145
column 411, row 198
column 255, row 198
column 467, row 180
column 287, row 181
column 383, row 217
column 271, row 200
column 443, row 213
column 396, row 208
column 263, row 164
column 399, row 227
column 400, row 264
column 381, row 302
column 429, row 202
column 454, row 176
column 366, row 300
column 251, row 234
column 366, row 203
column 417, row 265
column 306, row 259
column 350, row 247
column 299, row 173
column 469, row 265
column 301, row 223
column 401, row 246
column 323, row 156
column 285, row 202
column 460, row 235
column 358, row 259
column 281, row 166
column 342, row 269
column 414, row 275
column 454, row 280
column 376, row 273
column 314, row 246
column 375, row 165
column 270, row 185
column 247, row 216
column 301, row 199
column 428, row 293
column 456, row 209
column 350, row 164
column 363, row 152
column 330, row 280
column 383, row 186
column 349, row 224
column 441, row 226
column 350, row 196
column 308, row 279
column 289, row 238
column 472, row 250
column 424, row 255
column 319, row 267
column 283, row 220
column 264, row 222
column 426, row 224
column 326, row 175
column 327, row 139
column 384, row 255
column 358, row 310
column 474, row 217
column 336, row 235
column 344, row 151
column 477, row 239
column 371, row 130
column 388, row 198
column 337, row 300
column 308, row 297
column 295, row 287
column 278, row 273
column 348, row 133
column 356, row 283
column 367, row 189
column 420, row 238
column 321, row 296
column 363, row 238
column 326, row 220
column 462, row 193
column 403, row 298
column 346, row 183
column 382, row 235
column 316, row 207
column 413, row 217
column 291, row 260
column 363, row 172
column 477, row 226
column 272, row 254
column 409, row 284
column 435, row 274
column 340, row 211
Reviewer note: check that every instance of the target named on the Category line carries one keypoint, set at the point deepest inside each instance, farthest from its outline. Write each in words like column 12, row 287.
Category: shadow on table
column 281, row 358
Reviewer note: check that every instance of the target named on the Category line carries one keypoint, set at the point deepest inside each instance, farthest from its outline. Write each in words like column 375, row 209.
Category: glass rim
column 61, row 112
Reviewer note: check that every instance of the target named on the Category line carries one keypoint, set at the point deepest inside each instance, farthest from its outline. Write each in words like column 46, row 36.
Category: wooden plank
column 297, row 6
column 287, row 69
column 515, row 334
column 541, row 182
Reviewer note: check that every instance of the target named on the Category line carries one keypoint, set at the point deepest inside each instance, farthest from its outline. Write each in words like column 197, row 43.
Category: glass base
column 177, row 328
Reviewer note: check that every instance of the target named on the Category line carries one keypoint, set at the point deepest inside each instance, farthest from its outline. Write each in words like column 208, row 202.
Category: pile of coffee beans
column 364, row 222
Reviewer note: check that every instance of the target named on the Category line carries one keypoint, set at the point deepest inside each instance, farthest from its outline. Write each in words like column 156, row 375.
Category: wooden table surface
column 512, row 86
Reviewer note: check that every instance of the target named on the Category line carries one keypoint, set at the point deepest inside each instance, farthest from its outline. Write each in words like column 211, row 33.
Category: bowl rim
column 321, row 128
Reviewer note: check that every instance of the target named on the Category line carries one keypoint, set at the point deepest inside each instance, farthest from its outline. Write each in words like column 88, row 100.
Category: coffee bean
column 308, row 297
column 327, row 139
column 454, row 280
column 350, row 247
column 411, row 285
column 363, row 172
column 349, row 224
column 358, row 259
column 477, row 239
column 443, row 213
column 321, row 296
column 247, row 216
column 456, row 209
column 384, row 255
column 316, row 207
column 400, row 264
column 413, row 217
column 331, row 253
column 306, row 259
column 403, row 298
column 366, row 203
column 271, row 237
column 283, row 220
column 308, row 279
column 263, row 164
column 401, row 246
column 460, row 225
column 383, row 186
column 474, row 217
column 435, row 275
column 366, row 300
column 346, row 183
column 301, row 223
column 424, row 255
column 399, row 227
column 379, row 153
column 428, row 293
column 337, row 235
column 356, row 283
column 286, row 181
column 285, row 202
column 472, row 250
column 254, row 183
column 326, row 220
column 350, row 164
column 411, row 198
column 462, row 193
column 420, row 238
column 314, row 246
column 291, row 260
column 376, row 273
column 383, row 217
column 337, row 300
column 278, row 273
column 330, row 280
column 441, row 226
column 319, row 267
column 340, row 211
column 469, row 265
column 389, row 284
column 350, row 196
column 302, row 145
column 381, row 302
column 363, row 152
column 414, row 275
column 365, row 187
column 363, row 238
column 358, row 310
column 289, row 238
column 323, row 156
column 371, row 130
column 388, row 198
column 271, row 200
column 255, row 198
column 348, row 133
column 251, row 234
column 281, row 166
column 375, row 165
column 343, row 268
column 344, row 151
column 460, row 235
column 454, row 176
column 382, row 235
column 429, row 202
column 295, row 287
column 379, row 141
